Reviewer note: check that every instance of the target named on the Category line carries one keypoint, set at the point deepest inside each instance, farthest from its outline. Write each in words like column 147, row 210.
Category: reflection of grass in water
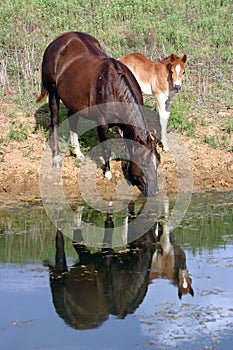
column 27, row 236
column 208, row 223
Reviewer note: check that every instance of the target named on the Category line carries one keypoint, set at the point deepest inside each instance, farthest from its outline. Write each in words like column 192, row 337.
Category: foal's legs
column 106, row 149
column 164, row 105
column 73, row 122
column 54, row 109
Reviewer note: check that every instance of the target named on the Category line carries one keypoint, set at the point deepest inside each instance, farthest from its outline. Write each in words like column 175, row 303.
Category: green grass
column 18, row 132
column 202, row 29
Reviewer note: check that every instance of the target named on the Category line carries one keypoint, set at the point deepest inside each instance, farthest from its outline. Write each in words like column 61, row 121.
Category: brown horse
column 76, row 71
column 100, row 284
column 163, row 78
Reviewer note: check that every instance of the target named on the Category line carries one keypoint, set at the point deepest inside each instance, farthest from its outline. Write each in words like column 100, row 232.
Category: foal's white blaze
column 177, row 81
column 185, row 284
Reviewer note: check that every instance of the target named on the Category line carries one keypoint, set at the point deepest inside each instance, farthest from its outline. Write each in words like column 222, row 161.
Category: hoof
column 108, row 175
column 57, row 162
column 81, row 159
column 165, row 149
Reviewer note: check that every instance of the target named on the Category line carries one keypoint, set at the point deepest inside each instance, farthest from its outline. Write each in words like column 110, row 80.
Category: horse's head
column 142, row 170
column 184, row 285
column 176, row 66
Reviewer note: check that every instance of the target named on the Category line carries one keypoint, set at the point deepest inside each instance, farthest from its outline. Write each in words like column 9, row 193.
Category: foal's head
column 177, row 69
column 184, row 283
column 142, row 170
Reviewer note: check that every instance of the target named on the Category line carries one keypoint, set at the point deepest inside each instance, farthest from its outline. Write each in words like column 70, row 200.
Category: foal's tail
column 43, row 94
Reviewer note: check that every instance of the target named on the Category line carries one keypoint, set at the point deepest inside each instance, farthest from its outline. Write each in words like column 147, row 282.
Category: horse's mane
column 127, row 95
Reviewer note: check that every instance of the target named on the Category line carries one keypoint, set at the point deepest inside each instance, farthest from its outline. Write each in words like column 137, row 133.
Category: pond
column 166, row 290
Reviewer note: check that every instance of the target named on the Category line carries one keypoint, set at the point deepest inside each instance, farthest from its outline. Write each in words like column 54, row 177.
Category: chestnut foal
column 164, row 79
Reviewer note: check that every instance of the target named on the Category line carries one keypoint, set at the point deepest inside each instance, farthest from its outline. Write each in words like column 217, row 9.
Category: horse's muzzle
column 150, row 192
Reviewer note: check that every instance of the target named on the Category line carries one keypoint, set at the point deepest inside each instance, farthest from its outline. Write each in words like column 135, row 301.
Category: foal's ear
column 184, row 58
column 173, row 57
column 191, row 291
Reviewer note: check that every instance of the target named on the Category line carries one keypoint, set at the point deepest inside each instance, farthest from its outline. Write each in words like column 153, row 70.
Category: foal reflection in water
column 109, row 282
column 170, row 260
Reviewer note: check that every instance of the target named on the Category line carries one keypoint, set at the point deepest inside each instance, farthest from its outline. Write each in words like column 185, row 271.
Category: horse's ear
column 151, row 137
column 139, row 140
column 169, row 66
column 179, row 294
column 191, row 291
column 184, row 58
column 173, row 57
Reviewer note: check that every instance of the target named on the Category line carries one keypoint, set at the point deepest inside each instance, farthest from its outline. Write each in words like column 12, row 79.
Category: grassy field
column 201, row 29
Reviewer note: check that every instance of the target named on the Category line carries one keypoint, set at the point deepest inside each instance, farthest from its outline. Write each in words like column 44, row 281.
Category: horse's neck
column 163, row 264
column 136, row 123
column 132, row 107
column 180, row 258
column 161, row 81
column 165, row 241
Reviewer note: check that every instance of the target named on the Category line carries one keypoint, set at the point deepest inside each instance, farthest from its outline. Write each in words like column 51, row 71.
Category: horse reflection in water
column 103, row 283
column 107, row 282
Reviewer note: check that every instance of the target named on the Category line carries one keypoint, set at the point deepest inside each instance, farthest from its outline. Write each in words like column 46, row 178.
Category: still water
column 166, row 291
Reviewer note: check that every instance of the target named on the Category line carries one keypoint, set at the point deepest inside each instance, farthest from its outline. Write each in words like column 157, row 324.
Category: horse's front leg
column 106, row 149
column 77, row 230
column 108, row 233
column 73, row 123
column 54, row 110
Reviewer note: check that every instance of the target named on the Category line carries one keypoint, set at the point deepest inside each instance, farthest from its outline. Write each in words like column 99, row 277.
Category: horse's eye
column 184, row 72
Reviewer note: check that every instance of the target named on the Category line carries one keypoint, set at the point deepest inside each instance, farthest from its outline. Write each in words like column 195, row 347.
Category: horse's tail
column 43, row 94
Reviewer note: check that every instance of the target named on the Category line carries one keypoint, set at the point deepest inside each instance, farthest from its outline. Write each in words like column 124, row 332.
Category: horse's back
column 82, row 75
column 82, row 41
column 64, row 49
column 142, row 68
column 135, row 60
column 95, row 79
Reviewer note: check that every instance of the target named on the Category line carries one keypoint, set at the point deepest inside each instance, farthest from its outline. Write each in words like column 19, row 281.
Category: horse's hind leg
column 73, row 122
column 54, row 109
column 106, row 149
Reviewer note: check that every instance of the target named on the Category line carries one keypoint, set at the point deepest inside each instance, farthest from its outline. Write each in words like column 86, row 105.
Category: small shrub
column 210, row 140
column 18, row 132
